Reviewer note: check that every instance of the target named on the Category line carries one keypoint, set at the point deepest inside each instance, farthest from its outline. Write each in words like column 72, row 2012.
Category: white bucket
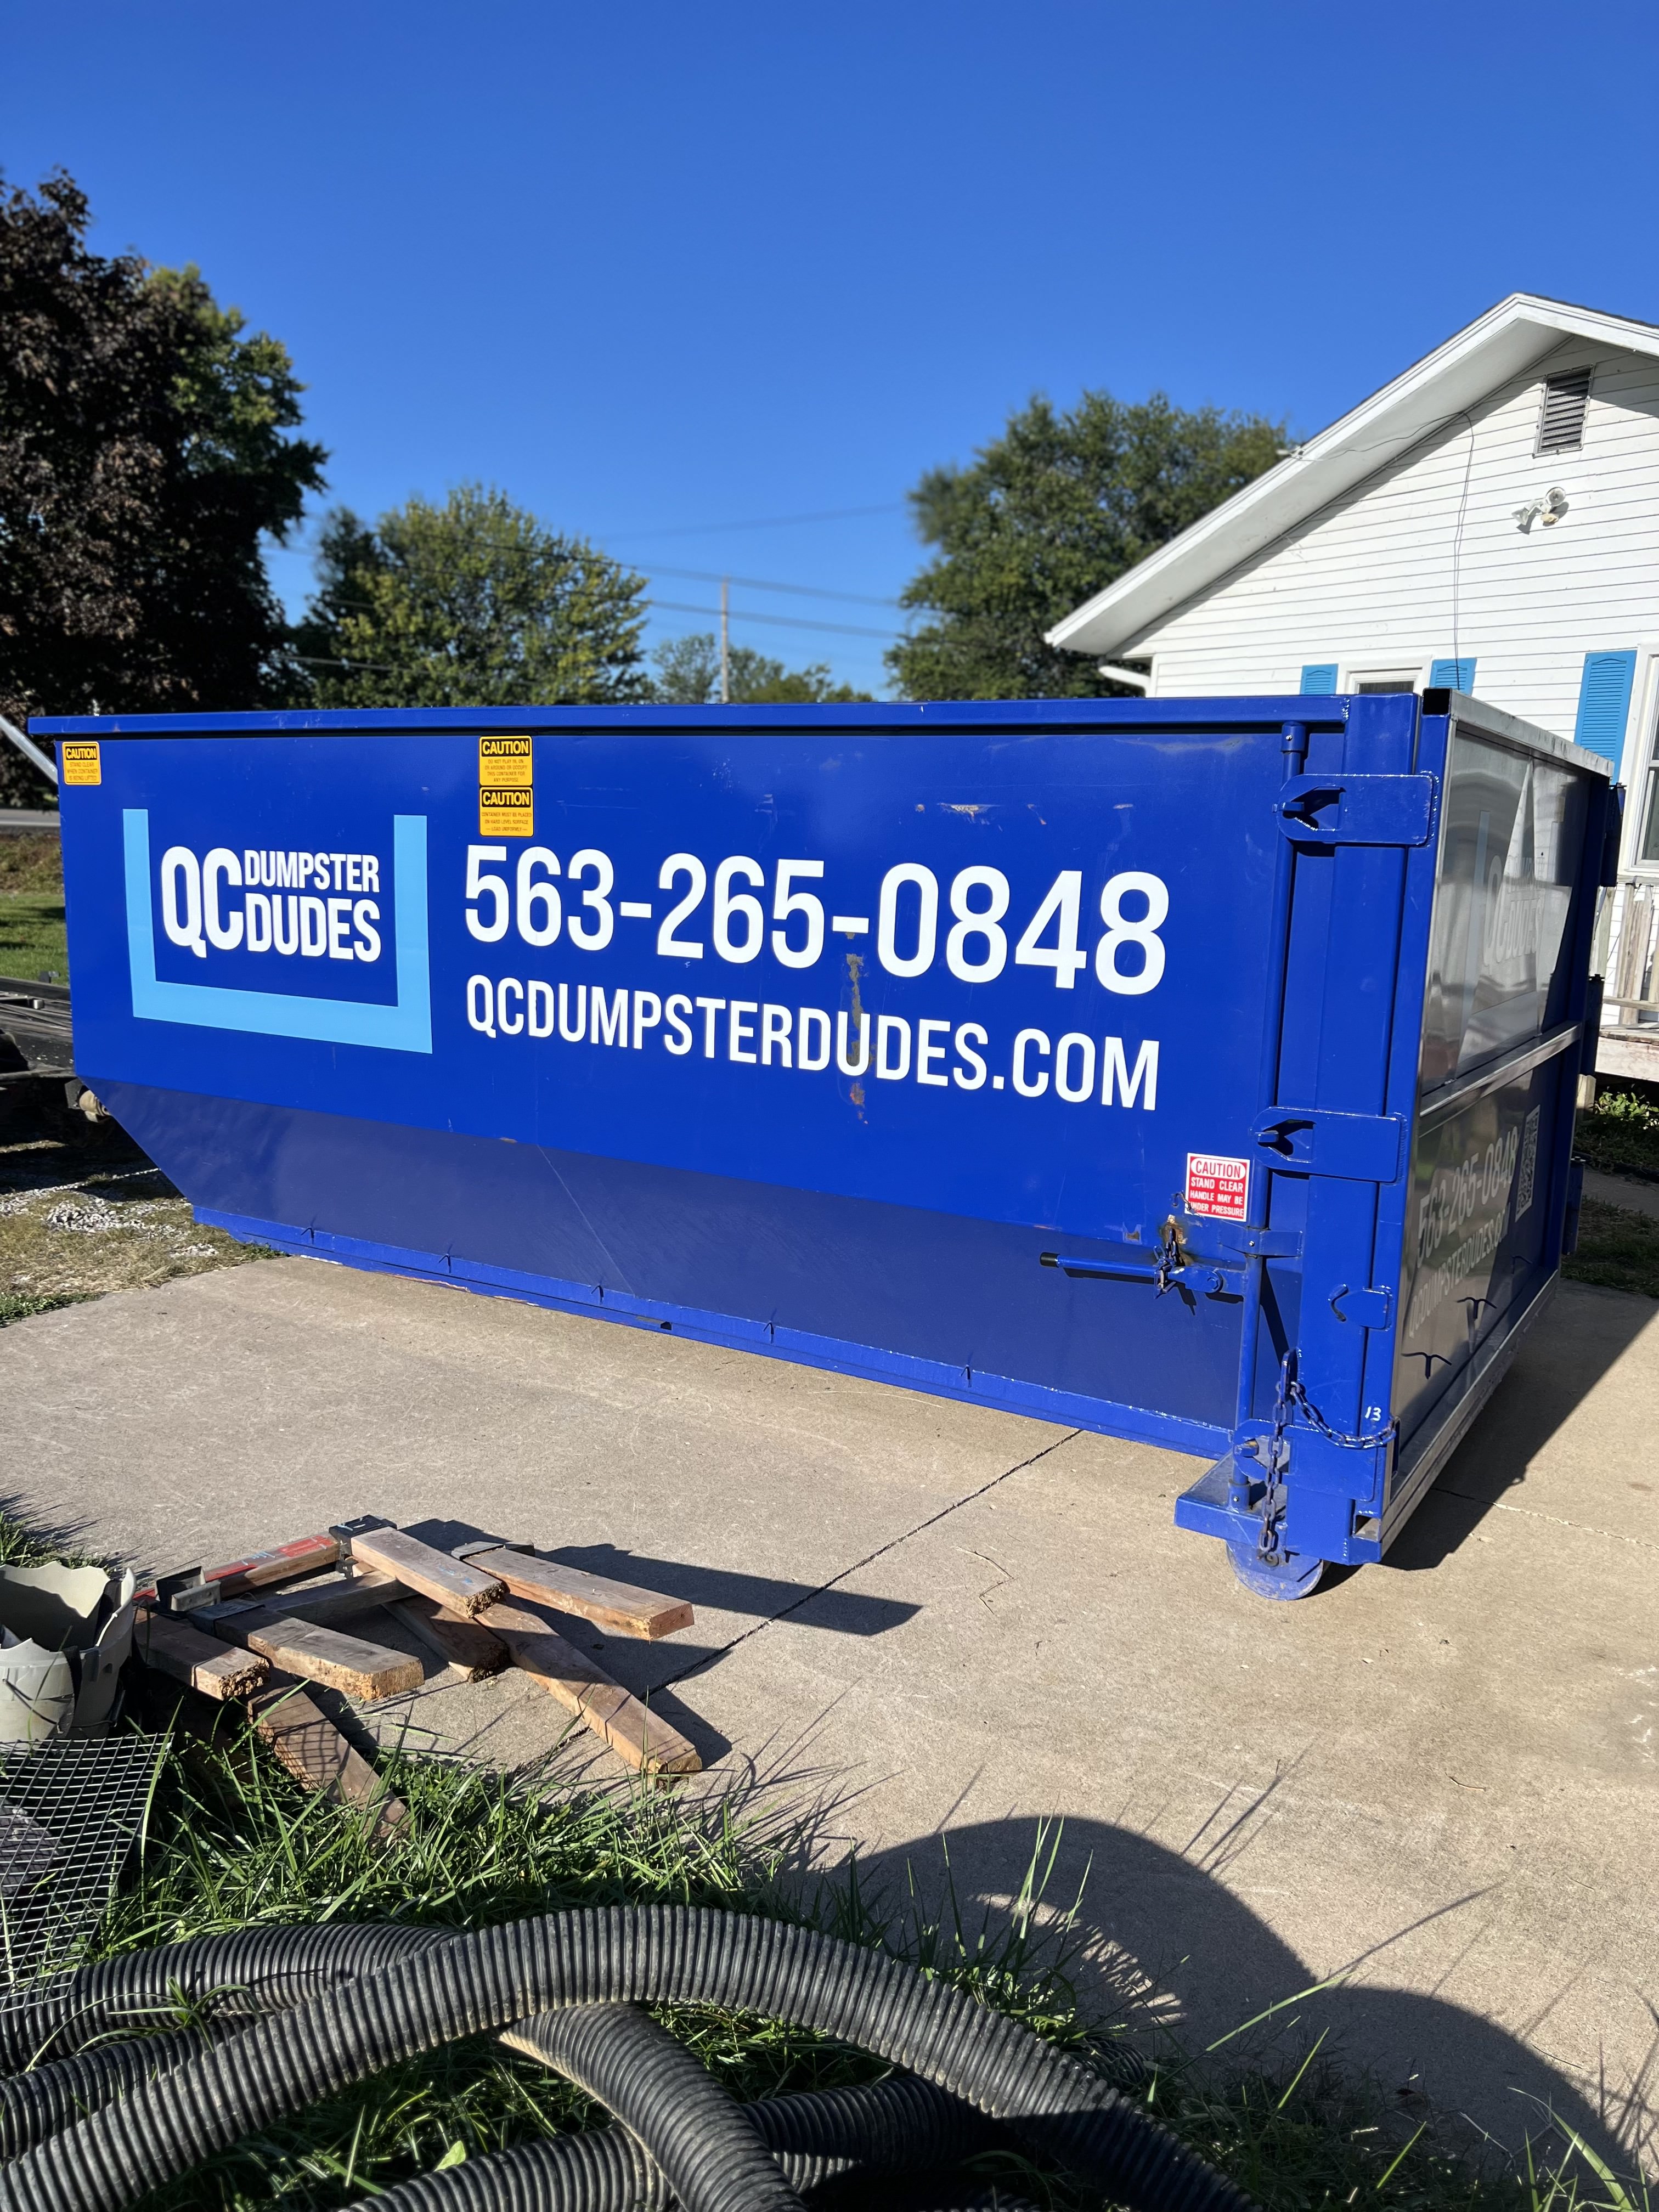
column 64, row 1634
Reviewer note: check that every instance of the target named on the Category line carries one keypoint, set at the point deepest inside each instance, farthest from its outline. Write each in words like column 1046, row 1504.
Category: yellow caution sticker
column 80, row 764
column 506, row 813
column 504, row 764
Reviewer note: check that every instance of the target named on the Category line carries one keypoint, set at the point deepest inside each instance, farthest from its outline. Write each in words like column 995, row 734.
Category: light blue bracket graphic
column 406, row 1027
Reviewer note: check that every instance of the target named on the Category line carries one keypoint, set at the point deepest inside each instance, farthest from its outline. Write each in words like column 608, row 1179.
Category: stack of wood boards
column 256, row 1629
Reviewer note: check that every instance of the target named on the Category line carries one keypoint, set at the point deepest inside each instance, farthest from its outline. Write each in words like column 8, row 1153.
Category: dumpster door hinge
column 1354, row 1147
column 1589, row 1041
column 1356, row 809
column 1613, row 837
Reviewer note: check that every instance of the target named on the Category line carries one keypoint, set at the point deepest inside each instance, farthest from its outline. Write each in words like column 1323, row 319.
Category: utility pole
column 726, row 641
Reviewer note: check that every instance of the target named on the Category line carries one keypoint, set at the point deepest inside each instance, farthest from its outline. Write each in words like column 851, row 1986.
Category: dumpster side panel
column 807, row 1037
column 1480, row 1231
column 939, row 1300
column 1513, row 831
column 981, row 1038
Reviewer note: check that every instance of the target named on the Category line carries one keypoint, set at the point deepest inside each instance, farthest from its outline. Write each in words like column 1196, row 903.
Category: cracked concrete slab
column 1438, row 1781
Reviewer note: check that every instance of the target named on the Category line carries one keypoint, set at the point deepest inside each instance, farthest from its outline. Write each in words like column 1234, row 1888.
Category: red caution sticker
column 1217, row 1185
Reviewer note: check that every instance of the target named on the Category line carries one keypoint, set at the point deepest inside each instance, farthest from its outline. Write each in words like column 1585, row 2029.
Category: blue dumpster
column 1197, row 1071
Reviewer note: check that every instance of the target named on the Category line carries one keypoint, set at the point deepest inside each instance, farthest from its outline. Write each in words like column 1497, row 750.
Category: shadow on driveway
column 1164, row 1945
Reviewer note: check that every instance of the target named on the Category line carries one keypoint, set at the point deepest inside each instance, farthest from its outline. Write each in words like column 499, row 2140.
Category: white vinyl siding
column 1372, row 580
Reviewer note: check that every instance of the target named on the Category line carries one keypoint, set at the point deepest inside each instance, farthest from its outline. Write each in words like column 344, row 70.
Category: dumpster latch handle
column 1356, row 809
column 1259, row 1244
column 1209, row 1277
column 1368, row 1308
column 1318, row 1140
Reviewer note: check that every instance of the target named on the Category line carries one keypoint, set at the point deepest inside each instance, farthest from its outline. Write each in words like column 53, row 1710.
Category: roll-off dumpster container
column 1198, row 1071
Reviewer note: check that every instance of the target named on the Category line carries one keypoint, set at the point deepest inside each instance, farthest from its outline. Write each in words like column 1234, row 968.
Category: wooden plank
column 308, row 1743
column 325, row 1655
column 452, row 1583
column 632, row 1731
column 283, row 1562
column 173, row 1647
column 470, row 1648
column 328, row 1602
column 618, row 1606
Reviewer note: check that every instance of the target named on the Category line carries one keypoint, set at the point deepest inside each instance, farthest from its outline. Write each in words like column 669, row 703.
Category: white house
column 1487, row 522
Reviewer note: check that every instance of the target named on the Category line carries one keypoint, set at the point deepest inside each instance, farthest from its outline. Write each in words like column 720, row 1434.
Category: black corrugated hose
column 97, row 2121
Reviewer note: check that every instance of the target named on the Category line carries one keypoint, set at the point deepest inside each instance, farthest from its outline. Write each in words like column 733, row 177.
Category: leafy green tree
column 143, row 460
column 471, row 603
column 689, row 675
column 1048, row 514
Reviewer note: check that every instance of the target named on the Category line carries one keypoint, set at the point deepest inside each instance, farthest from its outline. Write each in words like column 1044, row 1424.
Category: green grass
column 1618, row 1249
column 23, row 1544
column 33, row 939
column 232, row 1842
column 84, row 1212
column 19, row 1305
column 1618, row 1246
column 32, row 861
column 1620, row 1134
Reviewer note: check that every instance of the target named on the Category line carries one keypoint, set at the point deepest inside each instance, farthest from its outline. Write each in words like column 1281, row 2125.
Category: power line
column 777, row 622
column 711, row 576
column 764, row 522
column 313, row 660
column 771, row 584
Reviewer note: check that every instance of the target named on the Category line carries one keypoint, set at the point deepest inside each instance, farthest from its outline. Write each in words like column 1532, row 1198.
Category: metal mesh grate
column 69, row 1813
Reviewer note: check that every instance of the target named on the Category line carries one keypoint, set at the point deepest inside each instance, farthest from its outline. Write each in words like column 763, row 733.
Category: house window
column 1561, row 419
column 1648, row 853
column 1385, row 679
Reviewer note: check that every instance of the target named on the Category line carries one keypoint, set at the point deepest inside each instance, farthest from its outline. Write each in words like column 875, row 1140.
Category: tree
column 1045, row 516
column 689, row 675
column 471, row 603
column 143, row 461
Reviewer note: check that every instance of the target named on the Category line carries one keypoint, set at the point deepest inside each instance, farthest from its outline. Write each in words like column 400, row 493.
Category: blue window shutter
column 1319, row 676
column 1452, row 675
column 1604, row 704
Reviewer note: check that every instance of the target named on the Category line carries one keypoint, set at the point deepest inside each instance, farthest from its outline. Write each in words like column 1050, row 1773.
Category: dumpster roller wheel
column 1278, row 1575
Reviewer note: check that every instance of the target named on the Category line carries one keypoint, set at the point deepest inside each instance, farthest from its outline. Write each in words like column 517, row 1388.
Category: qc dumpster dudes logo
column 288, row 905
column 200, row 907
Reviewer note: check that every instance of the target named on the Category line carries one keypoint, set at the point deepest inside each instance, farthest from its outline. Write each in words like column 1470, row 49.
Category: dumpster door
column 1498, row 1072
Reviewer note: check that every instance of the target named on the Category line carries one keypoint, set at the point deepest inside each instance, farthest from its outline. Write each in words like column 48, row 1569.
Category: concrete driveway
column 1438, row 1780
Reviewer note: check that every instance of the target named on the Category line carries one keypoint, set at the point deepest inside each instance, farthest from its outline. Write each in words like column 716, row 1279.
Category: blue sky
column 657, row 268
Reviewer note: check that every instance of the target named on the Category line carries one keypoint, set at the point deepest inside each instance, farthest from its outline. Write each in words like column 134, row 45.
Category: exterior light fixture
column 1546, row 507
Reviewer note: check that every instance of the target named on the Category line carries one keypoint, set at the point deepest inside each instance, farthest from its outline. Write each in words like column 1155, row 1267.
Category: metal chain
column 1292, row 1393
column 1363, row 1441
column 1275, row 1505
column 1290, row 1396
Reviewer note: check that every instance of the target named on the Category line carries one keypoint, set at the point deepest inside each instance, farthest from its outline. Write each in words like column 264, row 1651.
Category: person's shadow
column 1166, row 1948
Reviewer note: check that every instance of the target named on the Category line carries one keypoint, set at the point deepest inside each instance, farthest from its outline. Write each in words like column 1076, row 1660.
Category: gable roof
column 1508, row 339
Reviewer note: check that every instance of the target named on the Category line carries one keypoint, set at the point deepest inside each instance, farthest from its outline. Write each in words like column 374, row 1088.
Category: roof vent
column 1561, row 424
